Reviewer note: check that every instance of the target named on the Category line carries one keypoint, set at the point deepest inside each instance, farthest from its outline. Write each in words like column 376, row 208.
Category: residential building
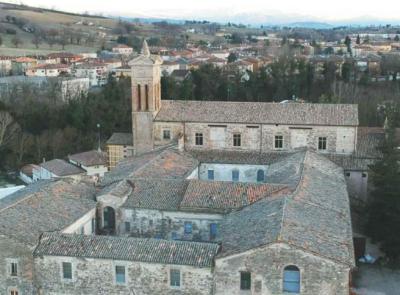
column 45, row 206
column 93, row 162
column 119, row 146
column 122, row 49
column 96, row 72
column 49, row 70
column 56, row 168
column 21, row 64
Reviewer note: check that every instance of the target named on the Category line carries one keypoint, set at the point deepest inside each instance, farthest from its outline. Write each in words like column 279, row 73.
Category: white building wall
column 223, row 172
column 84, row 225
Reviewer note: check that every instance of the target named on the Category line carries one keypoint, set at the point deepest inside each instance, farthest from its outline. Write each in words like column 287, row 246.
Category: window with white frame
column 198, row 138
column 322, row 143
column 120, row 275
column 13, row 267
column 67, row 270
column 237, row 139
column 14, row 291
column 174, row 277
column 278, row 141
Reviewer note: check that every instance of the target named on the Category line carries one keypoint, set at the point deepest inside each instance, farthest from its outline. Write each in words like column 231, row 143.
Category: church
column 203, row 198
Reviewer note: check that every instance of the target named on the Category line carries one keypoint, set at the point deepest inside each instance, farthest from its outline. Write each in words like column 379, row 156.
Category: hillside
column 24, row 22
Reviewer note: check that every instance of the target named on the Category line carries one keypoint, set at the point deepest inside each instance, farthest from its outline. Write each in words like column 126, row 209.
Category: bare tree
column 23, row 141
column 37, row 40
column 8, row 128
column 16, row 41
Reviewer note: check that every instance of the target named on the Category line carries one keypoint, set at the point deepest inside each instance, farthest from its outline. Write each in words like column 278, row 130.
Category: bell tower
column 146, row 97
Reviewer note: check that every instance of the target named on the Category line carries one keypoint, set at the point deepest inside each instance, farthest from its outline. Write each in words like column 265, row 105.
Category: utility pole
column 99, row 137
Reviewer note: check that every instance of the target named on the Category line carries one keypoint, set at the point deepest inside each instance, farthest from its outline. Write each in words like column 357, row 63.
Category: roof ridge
column 298, row 186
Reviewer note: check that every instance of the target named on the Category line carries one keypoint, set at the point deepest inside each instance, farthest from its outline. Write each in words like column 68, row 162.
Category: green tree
column 232, row 57
column 384, row 209
column 347, row 42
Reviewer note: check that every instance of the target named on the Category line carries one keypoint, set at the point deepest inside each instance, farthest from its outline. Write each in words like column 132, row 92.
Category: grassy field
column 47, row 20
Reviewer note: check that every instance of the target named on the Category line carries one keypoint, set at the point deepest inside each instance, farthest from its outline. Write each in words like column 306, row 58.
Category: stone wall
column 318, row 276
column 175, row 130
column 97, row 276
column 13, row 251
column 167, row 224
column 340, row 139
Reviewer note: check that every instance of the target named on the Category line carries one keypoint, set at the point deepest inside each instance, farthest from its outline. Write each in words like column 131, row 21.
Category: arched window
column 260, row 176
column 139, row 98
column 291, row 279
column 146, row 87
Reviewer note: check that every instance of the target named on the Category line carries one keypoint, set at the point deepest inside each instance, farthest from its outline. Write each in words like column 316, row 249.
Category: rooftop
column 258, row 113
column 128, row 249
column 119, row 138
column 61, row 168
column 302, row 219
column 44, row 206
column 90, row 158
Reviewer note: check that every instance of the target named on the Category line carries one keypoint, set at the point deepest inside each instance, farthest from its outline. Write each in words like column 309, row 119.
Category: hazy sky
column 223, row 9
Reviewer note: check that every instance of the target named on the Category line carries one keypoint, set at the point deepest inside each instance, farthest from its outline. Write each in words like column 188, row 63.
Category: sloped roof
column 223, row 196
column 89, row 158
column 315, row 218
column 61, row 168
column 44, row 206
column 258, row 113
column 120, row 138
column 128, row 249
column 157, row 194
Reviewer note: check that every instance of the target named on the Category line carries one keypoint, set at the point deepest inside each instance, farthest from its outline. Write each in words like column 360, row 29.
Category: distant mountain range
column 279, row 19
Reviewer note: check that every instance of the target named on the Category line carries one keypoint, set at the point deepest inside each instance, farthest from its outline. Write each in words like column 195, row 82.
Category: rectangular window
column 175, row 278
column 245, row 280
column 13, row 269
column 199, row 138
column 14, row 292
column 127, row 226
column 235, row 175
column 67, row 270
column 167, row 134
column 322, row 143
column 213, row 231
column 210, row 174
column 237, row 139
column 93, row 225
column 279, row 142
column 120, row 274
column 188, row 227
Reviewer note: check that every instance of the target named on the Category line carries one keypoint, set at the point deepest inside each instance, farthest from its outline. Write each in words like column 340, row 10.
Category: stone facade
column 21, row 254
column 146, row 98
column 261, row 137
column 97, row 276
column 168, row 224
column 318, row 276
